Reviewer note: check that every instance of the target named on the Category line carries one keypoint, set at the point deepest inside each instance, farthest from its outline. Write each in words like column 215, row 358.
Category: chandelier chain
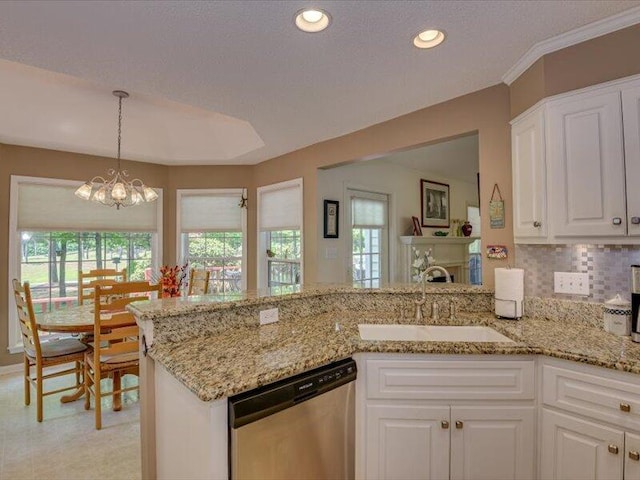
column 119, row 128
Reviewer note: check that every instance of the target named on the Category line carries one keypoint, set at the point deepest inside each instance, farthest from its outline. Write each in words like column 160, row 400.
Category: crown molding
column 586, row 32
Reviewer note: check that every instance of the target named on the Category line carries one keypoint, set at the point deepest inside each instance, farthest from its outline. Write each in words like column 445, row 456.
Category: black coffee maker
column 635, row 302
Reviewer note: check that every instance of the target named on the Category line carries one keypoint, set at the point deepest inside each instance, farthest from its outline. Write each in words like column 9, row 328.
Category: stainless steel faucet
column 423, row 298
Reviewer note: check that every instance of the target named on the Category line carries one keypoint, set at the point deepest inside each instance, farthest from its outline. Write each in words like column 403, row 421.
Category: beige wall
column 485, row 111
column 599, row 60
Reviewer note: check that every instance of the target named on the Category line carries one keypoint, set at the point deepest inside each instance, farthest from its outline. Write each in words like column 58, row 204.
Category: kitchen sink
column 430, row 333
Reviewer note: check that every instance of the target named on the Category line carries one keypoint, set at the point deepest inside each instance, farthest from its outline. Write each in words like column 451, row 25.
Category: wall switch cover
column 268, row 316
column 573, row 283
column 331, row 253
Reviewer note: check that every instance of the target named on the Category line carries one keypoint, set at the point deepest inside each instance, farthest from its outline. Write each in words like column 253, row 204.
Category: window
column 475, row 254
column 212, row 236
column 50, row 261
column 280, row 235
column 54, row 235
column 369, row 238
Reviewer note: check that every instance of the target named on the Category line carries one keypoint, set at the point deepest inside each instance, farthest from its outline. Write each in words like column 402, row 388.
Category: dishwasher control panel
column 250, row 406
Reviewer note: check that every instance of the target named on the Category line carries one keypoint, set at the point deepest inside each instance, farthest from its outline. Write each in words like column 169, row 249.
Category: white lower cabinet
column 589, row 423
column 574, row 448
column 492, row 442
column 425, row 417
column 413, row 442
column 407, row 442
column 632, row 456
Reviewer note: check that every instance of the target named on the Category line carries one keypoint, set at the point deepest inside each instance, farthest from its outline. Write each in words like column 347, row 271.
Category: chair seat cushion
column 114, row 360
column 58, row 348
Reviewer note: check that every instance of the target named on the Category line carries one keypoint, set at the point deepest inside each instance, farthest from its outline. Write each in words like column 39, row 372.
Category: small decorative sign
column 497, row 252
column 496, row 209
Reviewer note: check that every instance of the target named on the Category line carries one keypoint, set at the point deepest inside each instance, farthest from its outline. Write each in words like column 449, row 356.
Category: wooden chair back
column 199, row 281
column 102, row 276
column 115, row 331
column 26, row 316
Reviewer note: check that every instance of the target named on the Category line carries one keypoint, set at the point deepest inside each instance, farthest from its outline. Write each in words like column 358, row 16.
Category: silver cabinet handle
column 635, row 220
column 444, row 424
column 633, row 455
column 537, row 224
column 617, row 221
column 459, row 424
column 613, row 449
column 625, row 407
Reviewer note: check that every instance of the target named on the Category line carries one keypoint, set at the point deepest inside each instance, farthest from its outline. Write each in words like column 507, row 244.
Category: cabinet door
column 407, row 442
column 586, row 166
column 632, row 454
column 492, row 443
column 631, row 115
column 572, row 447
column 529, row 176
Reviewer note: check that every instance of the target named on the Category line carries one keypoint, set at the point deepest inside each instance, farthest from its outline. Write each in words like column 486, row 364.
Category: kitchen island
column 205, row 349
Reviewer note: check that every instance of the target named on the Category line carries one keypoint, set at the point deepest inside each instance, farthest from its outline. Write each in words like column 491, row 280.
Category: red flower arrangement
column 172, row 278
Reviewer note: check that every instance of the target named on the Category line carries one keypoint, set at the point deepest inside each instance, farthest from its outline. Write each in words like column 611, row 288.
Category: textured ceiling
column 245, row 59
column 457, row 158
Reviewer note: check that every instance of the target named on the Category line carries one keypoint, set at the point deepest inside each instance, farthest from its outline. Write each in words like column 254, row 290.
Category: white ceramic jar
column 617, row 316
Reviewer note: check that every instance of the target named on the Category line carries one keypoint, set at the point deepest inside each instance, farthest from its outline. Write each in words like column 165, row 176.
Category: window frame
column 14, row 342
column 388, row 248
column 262, row 237
column 182, row 192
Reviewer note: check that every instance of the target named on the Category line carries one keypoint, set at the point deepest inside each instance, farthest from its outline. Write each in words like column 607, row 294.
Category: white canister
column 617, row 316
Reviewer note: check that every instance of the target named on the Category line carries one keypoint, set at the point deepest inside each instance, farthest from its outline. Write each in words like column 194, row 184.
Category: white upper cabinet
column 586, row 165
column 631, row 115
column 529, row 176
column 576, row 167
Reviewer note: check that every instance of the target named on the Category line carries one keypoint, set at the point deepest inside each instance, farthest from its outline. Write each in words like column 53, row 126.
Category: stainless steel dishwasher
column 302, row 427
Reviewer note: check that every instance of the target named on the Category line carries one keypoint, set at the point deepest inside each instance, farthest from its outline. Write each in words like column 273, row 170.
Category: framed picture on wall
column 434, row 199
column 417, row 230
column 331, row 218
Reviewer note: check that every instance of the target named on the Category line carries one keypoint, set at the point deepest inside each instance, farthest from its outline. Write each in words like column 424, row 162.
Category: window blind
column 281, row 209
column 210, row 212
column 55, row 207
column 368, row 213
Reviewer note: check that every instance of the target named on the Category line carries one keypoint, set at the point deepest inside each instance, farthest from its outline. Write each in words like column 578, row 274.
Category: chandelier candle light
column 117, row 191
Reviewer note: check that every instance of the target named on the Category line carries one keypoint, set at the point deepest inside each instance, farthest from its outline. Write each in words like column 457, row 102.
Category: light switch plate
column 268, row 316
column 573, row 283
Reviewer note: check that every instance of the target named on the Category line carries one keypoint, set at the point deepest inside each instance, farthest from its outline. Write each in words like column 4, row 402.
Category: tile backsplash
column 607, row 266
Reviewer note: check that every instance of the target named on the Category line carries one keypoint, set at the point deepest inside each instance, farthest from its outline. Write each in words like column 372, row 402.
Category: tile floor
column 66, row 444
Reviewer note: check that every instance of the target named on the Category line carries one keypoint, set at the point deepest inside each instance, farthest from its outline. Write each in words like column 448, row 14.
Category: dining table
column 78, row 320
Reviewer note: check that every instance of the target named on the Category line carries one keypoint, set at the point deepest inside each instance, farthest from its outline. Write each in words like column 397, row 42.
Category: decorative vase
column 466, row 229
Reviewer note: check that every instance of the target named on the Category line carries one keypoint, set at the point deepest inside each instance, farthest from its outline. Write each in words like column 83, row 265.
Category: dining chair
column 115, row 341
column 199, row 281
column 87, row 281
column 44, row 354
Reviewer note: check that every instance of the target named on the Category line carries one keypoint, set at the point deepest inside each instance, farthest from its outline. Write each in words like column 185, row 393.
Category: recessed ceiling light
column 312, row 20
column 429, row 39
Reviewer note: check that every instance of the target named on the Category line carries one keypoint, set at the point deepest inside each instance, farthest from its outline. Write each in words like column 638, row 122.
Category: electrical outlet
column 268, row 316
column 571, row 282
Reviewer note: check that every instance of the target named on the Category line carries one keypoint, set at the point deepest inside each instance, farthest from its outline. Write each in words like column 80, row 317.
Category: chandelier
column 117, row 191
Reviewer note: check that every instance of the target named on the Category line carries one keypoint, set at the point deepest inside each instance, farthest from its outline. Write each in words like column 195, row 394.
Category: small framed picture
column 434, row 199
column 417, row 230
column 331, row 218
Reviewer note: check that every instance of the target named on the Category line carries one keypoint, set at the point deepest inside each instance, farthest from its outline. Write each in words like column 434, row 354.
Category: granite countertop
column 238, row 359
column 167, row 307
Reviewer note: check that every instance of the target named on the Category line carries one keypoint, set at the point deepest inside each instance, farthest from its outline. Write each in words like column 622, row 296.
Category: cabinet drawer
column 594, row 396
column 450, row 380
